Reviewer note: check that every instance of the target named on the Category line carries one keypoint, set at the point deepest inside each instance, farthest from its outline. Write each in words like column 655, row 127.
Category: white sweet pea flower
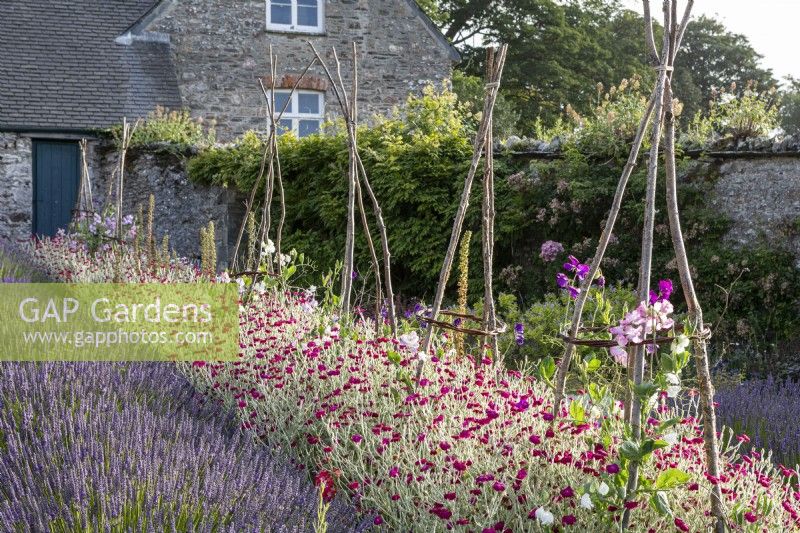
column 544, row 516
column 240, row 283
column 602, row 489
column 671, row 438
column 674, row 387
column 410, row 341
column 586, row 501
column 267, row 248
column 680, row 344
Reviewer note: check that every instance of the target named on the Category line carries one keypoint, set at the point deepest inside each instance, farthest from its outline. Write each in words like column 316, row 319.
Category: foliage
column 790, row 108
column 558, row 50
column 712, row 57
column 469, row 90
column 612, row 125
column 176, row 128
column 753, row 113
column 416, row 162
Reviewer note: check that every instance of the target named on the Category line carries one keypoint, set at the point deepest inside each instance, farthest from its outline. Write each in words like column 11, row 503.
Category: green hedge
column 417, row 161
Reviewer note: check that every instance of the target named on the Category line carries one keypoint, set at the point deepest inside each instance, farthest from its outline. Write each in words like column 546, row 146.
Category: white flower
column 602, row 489
column 224, row 277
column 240, row 283
column 671, row 438
column 674, row 387
column 260, row 288
column 586, row 501
column 680, row 344
column 422, row 357
column 267, row 248
column 544, row 516
column 312, row 289
column 410, row 341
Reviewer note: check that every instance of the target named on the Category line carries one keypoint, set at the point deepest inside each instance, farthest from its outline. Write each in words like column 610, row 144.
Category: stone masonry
column 181, row 206
column 761, row 197
column 16, row 191
column 221, row 47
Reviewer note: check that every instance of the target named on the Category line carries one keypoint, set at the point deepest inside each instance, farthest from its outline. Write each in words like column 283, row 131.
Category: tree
column 560, row 49
column 790, row 108
column 713, row 57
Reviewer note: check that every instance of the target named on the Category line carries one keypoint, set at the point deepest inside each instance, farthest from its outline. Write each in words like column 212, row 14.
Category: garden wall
column 761, row 197
column 16, row 200
column 181, row 206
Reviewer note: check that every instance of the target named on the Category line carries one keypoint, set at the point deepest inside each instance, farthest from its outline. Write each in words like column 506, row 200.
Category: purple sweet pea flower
column 601, row 281
column 519, row 334
column 573, row 292
column 574, row 265
column 665, row 288
column 562, row 280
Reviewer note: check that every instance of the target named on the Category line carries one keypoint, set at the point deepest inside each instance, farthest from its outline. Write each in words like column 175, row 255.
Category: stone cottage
column 69, row 68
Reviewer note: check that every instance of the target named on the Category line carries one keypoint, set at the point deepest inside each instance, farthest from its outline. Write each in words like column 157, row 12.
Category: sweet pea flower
column 544, row 516
column 586, row 501
column 410, row 341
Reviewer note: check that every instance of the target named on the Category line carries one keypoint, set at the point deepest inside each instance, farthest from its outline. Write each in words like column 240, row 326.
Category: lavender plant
column 132, row 447
column 764, row 409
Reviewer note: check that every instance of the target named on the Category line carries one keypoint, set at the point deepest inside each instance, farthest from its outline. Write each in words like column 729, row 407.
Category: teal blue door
column 56, row 176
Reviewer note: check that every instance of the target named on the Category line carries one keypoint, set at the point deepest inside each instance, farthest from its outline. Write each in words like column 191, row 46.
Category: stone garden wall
column 16, row 200
column 181, row 206
column 761, row 197
column 758, row 192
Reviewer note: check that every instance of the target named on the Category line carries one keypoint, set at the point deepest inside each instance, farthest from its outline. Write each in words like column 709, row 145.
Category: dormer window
column 302, row 16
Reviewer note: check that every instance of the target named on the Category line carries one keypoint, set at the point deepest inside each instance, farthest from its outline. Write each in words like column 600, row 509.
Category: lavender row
column 106, row 446
column 766, row 410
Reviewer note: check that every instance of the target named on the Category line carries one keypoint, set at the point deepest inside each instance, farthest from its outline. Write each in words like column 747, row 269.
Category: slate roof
column 61, row 69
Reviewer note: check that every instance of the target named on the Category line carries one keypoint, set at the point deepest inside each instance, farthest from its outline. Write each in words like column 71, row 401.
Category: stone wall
column 16, row 191
column 761, row 197
column 221, row 48
column 181, row 206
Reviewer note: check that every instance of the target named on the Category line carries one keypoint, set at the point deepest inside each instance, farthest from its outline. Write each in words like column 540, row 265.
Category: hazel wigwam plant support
column 495, row 61
column 270, row 164
column 660, row 109
column 357, row 175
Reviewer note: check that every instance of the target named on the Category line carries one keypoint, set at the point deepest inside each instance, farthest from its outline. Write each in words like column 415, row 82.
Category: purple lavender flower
column 134, row 444
column 550, row 250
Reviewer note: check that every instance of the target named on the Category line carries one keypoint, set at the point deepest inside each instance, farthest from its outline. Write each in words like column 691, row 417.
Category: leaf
column 660, row 502
column 650, row 445
column 547, row 368
column 630, row 450
column 666, row 424
column 394, row 357
column 671, row 478
column 645, row 390
column 593, row 365
column 577, row 412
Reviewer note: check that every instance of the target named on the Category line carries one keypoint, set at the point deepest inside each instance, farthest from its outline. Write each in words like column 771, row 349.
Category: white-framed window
column 304, row 112
column 303, row 16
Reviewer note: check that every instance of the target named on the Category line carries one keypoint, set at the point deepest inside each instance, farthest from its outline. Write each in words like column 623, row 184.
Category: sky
column 770, row 25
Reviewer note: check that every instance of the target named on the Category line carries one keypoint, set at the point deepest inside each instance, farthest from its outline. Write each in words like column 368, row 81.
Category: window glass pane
column 285, row 125
column 307, row 16
column 310, row 3
column 281, row 12
column 308, row 103
column 307, row 127
column 280, row 101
